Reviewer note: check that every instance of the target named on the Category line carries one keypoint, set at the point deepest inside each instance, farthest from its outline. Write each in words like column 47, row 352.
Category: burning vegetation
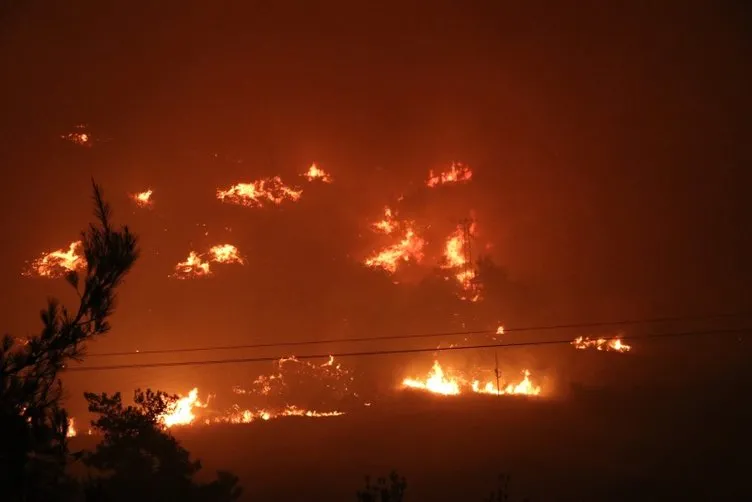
column 143, row 199
column 452, row 383
column 199, row 265
column 260, row 192
column 55, row 264
column 315, row 173
column 457, row 173
column 603, row 344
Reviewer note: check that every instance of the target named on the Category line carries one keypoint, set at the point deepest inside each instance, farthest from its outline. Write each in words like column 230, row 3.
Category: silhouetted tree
column 33, row 425
column 138, row 459
column 501, row 494
column 391, row 490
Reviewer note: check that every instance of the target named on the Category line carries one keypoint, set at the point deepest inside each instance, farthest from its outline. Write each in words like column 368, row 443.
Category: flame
column 193, row 266
column 225, row 253
column 386, row 225
column 143, row 199
column 256, row 193
column 78, row 137
column 500, row 330
column 181, row 412
column 198, row 265
column 456, row 259
column 457, row 173
column 409, row 248
column 438, row 382
column 315, row 173
column 71, row 431
column 612, row 345
column 58, row 263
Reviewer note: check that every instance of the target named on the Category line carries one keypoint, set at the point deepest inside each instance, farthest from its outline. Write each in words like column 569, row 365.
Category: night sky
column 610, row 149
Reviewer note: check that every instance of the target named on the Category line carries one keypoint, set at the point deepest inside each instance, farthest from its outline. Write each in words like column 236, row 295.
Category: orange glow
column 79, row 137
column 71, row 432
column 316, row 173
column 604, row 344
column 456, row 259
column 181, row 412
column 143, row 199
column 194, row 266
column 225, row 253
column 457, row 173
column 389, row 258
column 386, row 225
column 500, row 330
column 444, row 383
column 57, row 263
column 256, row 193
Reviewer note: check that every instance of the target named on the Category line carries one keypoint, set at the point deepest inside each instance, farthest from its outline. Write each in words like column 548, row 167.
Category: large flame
column 409, row 248
column 256, row 193
column 143, row 199
column 316, row 173
column 58, row 263
column 457, row 173
column 440, row 382
column 604, row 344
column 181, row 412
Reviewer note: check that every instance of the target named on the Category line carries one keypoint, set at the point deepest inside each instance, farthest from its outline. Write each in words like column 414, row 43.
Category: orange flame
column 71, row 431
column 58, row 263
column 386, row 225
column 438, row 382
column 455, row 258
column 256, row 193
column 143, row 199
column 457, row 173
column 193, row 266
column 500, row 330
column 316, row 173
column 612, row 345
column 225, row 253
column 181, row 412
column 409, row 248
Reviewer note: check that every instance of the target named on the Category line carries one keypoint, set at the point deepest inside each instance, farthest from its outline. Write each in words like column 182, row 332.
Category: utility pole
column 467, row 235
column 498, row 374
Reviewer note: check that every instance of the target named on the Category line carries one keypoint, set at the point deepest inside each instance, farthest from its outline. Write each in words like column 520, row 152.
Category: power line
column 550, row 327
column 205, row 362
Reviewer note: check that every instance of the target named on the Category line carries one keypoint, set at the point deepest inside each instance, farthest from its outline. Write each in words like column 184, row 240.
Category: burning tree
column 33, row 446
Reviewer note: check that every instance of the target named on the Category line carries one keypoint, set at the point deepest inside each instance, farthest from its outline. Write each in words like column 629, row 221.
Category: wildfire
column 79, row 136
column 58, row 263
column 438, row 382
column 193, row 266
column 199, row 265
column 500, row 330
column 256, row 193
column 181, row 412
column 316, row 173
column 143, row 199
column 605, row 344
column 71, row 432
column 457, row 173
column 386, row 225
column 456, row 258
column 225, row 253
column 409, row 248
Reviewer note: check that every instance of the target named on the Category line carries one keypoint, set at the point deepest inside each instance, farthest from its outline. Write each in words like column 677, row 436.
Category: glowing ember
column 409, row 248
column 193, row 266
column 439, row 382
column 79, row 136
column 143, row 199
column 500, row 330
column 225, row 253
column 388, row 224
column 58, row 263
column 604, row 344
column 256, row 193
column 71, row 432
column 315, row 173
column 457, row 173
column 181, row 412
